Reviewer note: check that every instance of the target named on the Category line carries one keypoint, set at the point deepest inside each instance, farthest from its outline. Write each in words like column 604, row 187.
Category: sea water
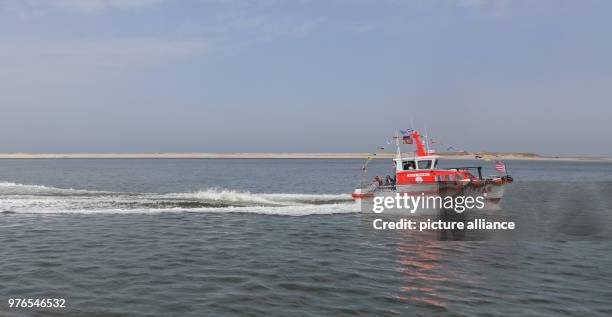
column 231, row 237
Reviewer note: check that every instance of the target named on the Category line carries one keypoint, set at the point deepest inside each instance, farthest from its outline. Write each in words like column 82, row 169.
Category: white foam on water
column 280, row 211
column 39, row 199
column 274, row 198
column 223, row 195
column 9, row 188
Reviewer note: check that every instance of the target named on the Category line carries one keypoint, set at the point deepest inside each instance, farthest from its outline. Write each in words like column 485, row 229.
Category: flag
column 500, row 167
column 403, row 132
column 407, row 139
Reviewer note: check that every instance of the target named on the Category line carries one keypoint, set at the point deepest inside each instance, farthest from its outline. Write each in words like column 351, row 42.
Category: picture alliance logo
column 412, row 203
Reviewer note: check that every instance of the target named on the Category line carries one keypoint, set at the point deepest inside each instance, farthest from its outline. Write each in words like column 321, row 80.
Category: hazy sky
column 304, row 76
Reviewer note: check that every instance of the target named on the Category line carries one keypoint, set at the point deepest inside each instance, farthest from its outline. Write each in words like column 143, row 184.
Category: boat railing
column 478, row 168
column 373, row 186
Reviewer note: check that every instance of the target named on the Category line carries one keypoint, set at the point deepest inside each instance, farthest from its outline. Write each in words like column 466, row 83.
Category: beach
column 263, row 155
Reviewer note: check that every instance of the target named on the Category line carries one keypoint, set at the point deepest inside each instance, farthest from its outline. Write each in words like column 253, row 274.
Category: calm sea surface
column 195, row 237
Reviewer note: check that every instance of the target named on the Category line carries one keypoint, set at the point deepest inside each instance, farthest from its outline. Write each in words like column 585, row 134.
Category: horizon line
column 290, row 155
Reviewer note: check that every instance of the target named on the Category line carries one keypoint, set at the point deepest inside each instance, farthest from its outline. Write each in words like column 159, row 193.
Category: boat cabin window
column 424, row 164
column 438, row 178
column 458, row 177
column 449, row 177
column 408, row 165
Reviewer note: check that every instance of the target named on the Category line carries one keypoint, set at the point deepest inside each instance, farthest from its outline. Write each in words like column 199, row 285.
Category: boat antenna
column 413, row 130
column 426, row 139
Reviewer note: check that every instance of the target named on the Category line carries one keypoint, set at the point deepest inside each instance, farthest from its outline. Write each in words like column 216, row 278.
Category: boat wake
column 20, row 198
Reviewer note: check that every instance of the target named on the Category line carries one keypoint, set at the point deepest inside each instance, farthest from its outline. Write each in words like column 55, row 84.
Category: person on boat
column 389, row 181
column 409, row 166
column 378, row 180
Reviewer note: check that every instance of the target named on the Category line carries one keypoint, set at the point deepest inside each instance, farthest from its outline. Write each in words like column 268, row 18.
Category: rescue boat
column 418, row 173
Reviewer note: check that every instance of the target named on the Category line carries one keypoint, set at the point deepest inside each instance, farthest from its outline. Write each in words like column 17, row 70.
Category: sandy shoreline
column 496, row 156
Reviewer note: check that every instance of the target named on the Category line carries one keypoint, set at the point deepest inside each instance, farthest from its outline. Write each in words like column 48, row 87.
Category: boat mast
column 397, row 144
column 419, row 145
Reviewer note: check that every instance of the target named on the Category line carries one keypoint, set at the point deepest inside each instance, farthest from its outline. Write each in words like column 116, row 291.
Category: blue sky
column 304, row 76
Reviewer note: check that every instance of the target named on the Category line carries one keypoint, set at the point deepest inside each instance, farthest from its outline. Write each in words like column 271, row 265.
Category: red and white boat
column 418, row 173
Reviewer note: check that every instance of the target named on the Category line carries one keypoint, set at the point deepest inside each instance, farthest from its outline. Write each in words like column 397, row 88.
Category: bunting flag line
column 405, row 136
column 371, row 156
